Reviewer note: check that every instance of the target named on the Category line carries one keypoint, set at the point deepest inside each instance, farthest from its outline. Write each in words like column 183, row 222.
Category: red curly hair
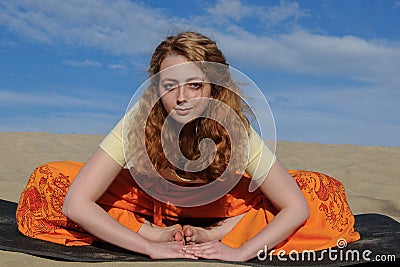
column 197, row 48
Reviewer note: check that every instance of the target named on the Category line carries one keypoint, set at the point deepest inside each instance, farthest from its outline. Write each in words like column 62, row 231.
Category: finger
column 181, row 255
column 187, row 229
column 207, row 254
column 178, row 226
column 206, row 244
column 178, row 235
column 191, row 240
column 188, row 232
column 186, row 255
column 194, row 249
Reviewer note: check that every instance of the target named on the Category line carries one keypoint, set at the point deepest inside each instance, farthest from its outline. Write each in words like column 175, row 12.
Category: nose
column 181, row 95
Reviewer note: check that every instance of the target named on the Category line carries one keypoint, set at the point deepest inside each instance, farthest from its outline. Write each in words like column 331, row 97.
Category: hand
column 169, row 250
column 213, row 250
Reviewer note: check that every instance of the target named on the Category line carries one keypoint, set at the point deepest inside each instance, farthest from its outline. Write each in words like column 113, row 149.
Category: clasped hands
column 196, row 242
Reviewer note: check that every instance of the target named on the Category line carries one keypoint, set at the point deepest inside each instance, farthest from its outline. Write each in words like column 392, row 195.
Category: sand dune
column 371, row 174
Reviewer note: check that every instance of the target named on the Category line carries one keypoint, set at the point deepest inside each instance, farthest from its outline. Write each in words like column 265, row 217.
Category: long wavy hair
column 148, row 120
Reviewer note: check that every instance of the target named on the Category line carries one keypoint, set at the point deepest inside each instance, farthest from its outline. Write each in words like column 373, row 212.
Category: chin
column 181, row 120
column 184, row 119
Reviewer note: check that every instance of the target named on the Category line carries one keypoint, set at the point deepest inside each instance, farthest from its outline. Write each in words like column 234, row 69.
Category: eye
column 195, row 85
column 169, row 86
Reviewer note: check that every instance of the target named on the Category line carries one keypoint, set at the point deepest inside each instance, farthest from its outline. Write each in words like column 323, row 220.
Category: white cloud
column 363, row 116
column 397, row 4
column 85, row 63
column 225, row 10
column 367, row 103
column 58, row 113
column 230, row 9
column 60, row 122
column 59, row 101
column 130, row 29
column 305, row 52
column 283, row 12
column 117, row 66
column 90, row 63
column 120, row 27
column 313, row 126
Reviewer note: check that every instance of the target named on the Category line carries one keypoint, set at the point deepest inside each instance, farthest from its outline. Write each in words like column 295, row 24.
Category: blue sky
column 329, row 69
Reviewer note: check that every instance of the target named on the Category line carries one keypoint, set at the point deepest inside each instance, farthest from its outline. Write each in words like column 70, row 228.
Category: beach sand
column 370, row 174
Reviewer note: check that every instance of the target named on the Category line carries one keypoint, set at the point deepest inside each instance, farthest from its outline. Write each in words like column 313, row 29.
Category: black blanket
column 380, row 240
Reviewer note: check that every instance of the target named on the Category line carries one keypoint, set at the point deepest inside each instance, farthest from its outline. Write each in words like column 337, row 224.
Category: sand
column 371, row 175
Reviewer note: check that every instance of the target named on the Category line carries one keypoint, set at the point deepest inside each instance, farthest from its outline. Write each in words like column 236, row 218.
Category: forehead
column 179, row 68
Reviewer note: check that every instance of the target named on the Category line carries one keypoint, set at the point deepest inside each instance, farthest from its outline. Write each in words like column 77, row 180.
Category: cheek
column 207, row 91
column 201, row 105
column 167, row 103
column 203, row 100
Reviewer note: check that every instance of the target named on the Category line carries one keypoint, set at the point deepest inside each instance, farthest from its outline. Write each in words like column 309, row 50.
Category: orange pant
column 39, row 209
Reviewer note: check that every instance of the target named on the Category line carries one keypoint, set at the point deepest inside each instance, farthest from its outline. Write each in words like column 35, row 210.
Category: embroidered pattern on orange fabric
column 331, row 195
column 39, row 210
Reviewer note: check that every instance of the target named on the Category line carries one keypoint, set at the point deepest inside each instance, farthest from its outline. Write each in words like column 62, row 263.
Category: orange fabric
column 330, row 217
column 39, row 209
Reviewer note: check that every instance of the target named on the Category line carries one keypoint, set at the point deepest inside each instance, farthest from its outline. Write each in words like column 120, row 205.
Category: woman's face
column 184, row 93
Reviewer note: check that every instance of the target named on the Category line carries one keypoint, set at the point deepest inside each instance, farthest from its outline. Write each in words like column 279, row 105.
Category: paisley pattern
column 328, row 193
column 39, row 212
column 39, row 209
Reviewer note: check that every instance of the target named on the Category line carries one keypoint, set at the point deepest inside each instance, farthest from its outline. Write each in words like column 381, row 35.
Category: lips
column 182, row 111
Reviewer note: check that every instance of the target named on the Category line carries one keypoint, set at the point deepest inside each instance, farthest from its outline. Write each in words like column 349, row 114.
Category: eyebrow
column 186, row 81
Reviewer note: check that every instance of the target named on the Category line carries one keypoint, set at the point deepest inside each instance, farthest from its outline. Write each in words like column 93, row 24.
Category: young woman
column 74, row 204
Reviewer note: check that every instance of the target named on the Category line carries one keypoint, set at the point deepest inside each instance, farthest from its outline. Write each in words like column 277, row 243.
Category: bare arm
column 80, row 206
column 283, row 192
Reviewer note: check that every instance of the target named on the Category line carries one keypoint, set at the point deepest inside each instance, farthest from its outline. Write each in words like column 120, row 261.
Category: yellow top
column 260, row 161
